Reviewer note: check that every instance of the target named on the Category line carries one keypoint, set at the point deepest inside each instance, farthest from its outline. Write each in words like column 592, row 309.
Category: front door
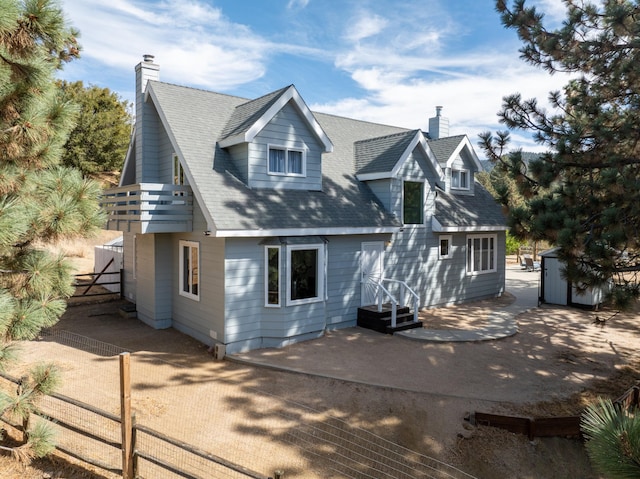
column 371, row 267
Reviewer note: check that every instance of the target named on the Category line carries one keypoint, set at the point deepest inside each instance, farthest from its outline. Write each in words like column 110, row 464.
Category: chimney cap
column 438, row 110
column 148, row 58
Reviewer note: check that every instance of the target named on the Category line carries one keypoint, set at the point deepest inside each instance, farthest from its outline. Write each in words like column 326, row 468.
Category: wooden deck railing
column 149, row 208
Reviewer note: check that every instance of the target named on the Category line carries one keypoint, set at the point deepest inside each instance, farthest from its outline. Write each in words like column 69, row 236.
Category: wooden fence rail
column 130, row 444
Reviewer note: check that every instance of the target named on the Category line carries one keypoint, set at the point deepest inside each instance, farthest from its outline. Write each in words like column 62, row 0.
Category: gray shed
column 556, row 290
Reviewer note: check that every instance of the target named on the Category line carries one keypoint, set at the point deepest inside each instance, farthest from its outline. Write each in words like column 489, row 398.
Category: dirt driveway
column 413, row 394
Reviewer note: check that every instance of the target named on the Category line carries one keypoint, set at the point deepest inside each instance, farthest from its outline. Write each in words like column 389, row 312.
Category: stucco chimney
column 145, row 70
column 438, row 125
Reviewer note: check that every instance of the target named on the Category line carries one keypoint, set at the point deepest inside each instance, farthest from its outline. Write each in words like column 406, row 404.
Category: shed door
column 555, row 287
column 371, row 267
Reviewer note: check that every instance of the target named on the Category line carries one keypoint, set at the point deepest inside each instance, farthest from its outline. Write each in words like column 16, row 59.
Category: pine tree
column 583, row 195
column 40, row 201
column 100, row 139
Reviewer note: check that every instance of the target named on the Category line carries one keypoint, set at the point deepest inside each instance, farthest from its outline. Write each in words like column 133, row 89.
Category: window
column 190, row 269
column 272, row 275
column 460, row 179
column 481, row 254
column 178, row 175
column 305, row 271
column 412, row 207
column 444, row 250
column 178, row 172
column 286, row 161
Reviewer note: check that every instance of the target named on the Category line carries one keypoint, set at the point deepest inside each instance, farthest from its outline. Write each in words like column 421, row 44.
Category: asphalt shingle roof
column 246, row 114
column 377, row 155
column 443, row 148
column 462, row 211
column 198, row 119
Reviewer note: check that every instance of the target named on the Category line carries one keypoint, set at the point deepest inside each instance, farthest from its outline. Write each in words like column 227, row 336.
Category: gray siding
column 128, row 265
column 249, row 324
column 382, row 189
column 153, row 280
column 413, row 254
column 164, row 157
column 203, row 319
column 343, row 278
column 147, row 145
column 240, row 156
column 286, row 129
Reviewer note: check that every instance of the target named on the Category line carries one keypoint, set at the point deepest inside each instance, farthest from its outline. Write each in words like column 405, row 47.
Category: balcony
column 149, row 208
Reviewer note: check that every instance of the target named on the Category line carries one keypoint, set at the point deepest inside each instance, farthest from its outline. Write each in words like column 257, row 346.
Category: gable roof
column 447, row 149
column 344, row 206
column 249, row 118
column 195, row 119
column 465, row 213
column 382, row 157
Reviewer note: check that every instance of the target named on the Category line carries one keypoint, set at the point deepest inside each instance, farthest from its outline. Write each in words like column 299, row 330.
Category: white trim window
column 482, row 254
column 178, row 172
column 190, row 269
column 444, row 247
column 460, row 179
column 413, row 202
column 305, row 273
column 286, row 161
column 272, row 276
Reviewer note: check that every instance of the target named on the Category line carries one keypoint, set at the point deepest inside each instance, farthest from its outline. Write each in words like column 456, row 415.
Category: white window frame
column 177, row 171
column 422, row 199
column 449, row 240
column 266, row 277
column 321, row 274
column 472, row 253
column 457, row 172
column 286, row 171
column 189, row 294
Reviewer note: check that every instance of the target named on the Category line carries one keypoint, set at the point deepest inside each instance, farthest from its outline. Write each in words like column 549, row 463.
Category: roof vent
column 148, row 58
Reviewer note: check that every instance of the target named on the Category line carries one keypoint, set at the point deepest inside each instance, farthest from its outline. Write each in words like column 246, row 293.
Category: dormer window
column 460, row 179
column 286, row 161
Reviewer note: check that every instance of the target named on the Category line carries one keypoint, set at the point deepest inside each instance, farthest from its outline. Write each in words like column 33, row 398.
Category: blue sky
column 387, row 61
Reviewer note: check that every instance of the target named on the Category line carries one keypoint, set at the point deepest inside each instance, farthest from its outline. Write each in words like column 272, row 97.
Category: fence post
column 125, row 416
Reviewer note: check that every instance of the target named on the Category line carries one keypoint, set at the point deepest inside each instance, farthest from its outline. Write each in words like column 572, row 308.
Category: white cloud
column 196, row 42
column 297, row 4
column 366, row 26
column 471, row 100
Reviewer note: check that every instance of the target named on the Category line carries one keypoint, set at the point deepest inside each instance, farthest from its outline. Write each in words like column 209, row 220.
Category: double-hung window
column 412, row 203
column 286, row 161
column 190, row 269
column 481, row 254
column 460, row 179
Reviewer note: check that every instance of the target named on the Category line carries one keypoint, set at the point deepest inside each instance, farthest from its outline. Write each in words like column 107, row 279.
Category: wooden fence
column 136, row 444
column 566, row 426
column 102, row 283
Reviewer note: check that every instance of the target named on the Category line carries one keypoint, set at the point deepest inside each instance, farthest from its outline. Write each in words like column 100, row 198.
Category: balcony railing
column 149, row 208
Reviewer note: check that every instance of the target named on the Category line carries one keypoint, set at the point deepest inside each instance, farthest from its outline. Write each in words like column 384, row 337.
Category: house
column 258, row 223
